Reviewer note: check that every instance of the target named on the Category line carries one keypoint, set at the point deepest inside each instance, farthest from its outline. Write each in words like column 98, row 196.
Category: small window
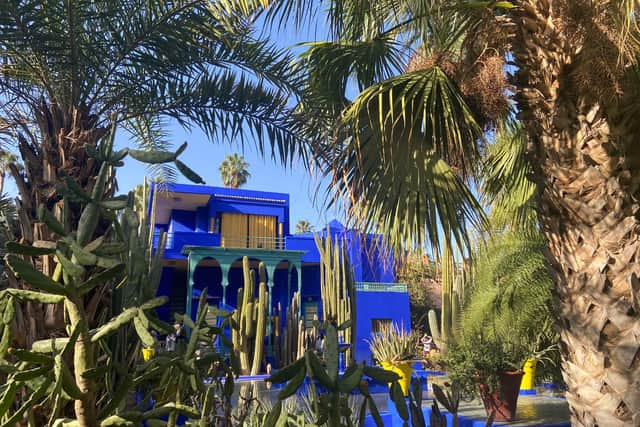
column 378, row 324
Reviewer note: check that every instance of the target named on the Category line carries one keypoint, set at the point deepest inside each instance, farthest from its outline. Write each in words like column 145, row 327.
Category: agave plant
column 393, row 344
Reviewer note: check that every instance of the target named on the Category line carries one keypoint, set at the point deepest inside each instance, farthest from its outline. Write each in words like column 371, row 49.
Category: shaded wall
column 378, row 305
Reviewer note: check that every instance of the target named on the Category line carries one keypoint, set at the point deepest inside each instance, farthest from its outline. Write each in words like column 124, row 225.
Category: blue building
column 210, row 229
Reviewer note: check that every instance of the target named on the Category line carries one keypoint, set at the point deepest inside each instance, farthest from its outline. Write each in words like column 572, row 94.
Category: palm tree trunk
column 589, row 213
column 58, row 149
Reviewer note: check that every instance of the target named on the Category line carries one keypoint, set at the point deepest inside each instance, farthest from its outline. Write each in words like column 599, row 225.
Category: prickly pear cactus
column 330, row 402
column 105, row 254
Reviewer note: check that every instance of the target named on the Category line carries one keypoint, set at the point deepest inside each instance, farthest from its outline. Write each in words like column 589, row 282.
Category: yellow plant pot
column 528, row 380
column 148, row 353
column 404, row 370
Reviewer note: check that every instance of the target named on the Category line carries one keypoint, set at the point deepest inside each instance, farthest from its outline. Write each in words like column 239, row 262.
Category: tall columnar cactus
column 337, row 287
column 296, row 338
column 261, row 323
column 250, row 319
column 453, row 288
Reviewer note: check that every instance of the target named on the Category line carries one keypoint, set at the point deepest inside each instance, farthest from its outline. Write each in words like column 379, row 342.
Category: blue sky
column 205, row 156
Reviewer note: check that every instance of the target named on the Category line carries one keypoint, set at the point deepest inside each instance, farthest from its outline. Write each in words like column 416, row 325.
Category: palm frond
column 626, row 13
column 399, row 158
column 139, row 58
column 511, row 291
column 332, row 65
column 507, row 185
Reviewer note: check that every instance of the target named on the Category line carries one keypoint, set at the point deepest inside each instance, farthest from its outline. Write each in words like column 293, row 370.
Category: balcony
column 176, row 241
column 380, row 287
column 240, row 241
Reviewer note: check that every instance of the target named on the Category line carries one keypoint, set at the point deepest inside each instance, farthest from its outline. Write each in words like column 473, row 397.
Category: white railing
column 380, row 287
column 240, row 241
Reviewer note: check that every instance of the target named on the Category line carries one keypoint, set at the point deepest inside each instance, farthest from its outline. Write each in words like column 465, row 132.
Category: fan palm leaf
column 393, row 157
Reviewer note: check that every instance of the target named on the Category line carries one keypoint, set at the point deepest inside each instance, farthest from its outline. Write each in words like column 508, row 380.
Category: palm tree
column 7, row 158
column 233, row 171
column 75, row 71
column 401, row 151
column 303, row 226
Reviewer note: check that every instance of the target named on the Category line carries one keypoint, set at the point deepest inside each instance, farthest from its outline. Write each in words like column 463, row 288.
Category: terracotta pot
column 503, row 402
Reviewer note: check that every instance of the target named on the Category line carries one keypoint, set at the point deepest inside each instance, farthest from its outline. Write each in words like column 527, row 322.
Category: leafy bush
column 480, row 359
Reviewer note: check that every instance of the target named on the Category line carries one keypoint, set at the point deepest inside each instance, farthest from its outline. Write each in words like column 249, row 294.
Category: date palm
column 73, row 70
column 400, row 150
column 233, row 171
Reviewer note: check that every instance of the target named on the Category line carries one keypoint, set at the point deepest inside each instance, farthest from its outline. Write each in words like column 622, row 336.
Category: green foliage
column 397, row 153
column 511, row 293
column 181, row 378
column 332, row 408
column 393, row 344
column 96, row 366
column 142, row 63
column 507, row 186
column 479, row 359
column 395, row 129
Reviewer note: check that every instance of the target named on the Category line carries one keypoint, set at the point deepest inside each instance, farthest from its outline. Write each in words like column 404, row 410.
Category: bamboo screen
column 253, row 231
column 234, row 230
column 262, row 232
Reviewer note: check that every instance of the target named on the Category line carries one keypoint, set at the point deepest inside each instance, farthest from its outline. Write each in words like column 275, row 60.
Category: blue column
column 298, row 266
column 224, row 269
column 289, row 267
column 192, row 262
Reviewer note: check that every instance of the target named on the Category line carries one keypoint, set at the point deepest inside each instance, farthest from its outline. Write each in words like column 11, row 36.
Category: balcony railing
column 240, row 241
column 380, row 287
column 176, row 240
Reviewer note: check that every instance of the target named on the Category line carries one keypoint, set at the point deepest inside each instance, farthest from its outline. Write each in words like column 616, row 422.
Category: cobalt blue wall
column 202, row 220
column 310, row 280
column 182, row 221
column 164, row 289
column 378, row 305
column 303, row 243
